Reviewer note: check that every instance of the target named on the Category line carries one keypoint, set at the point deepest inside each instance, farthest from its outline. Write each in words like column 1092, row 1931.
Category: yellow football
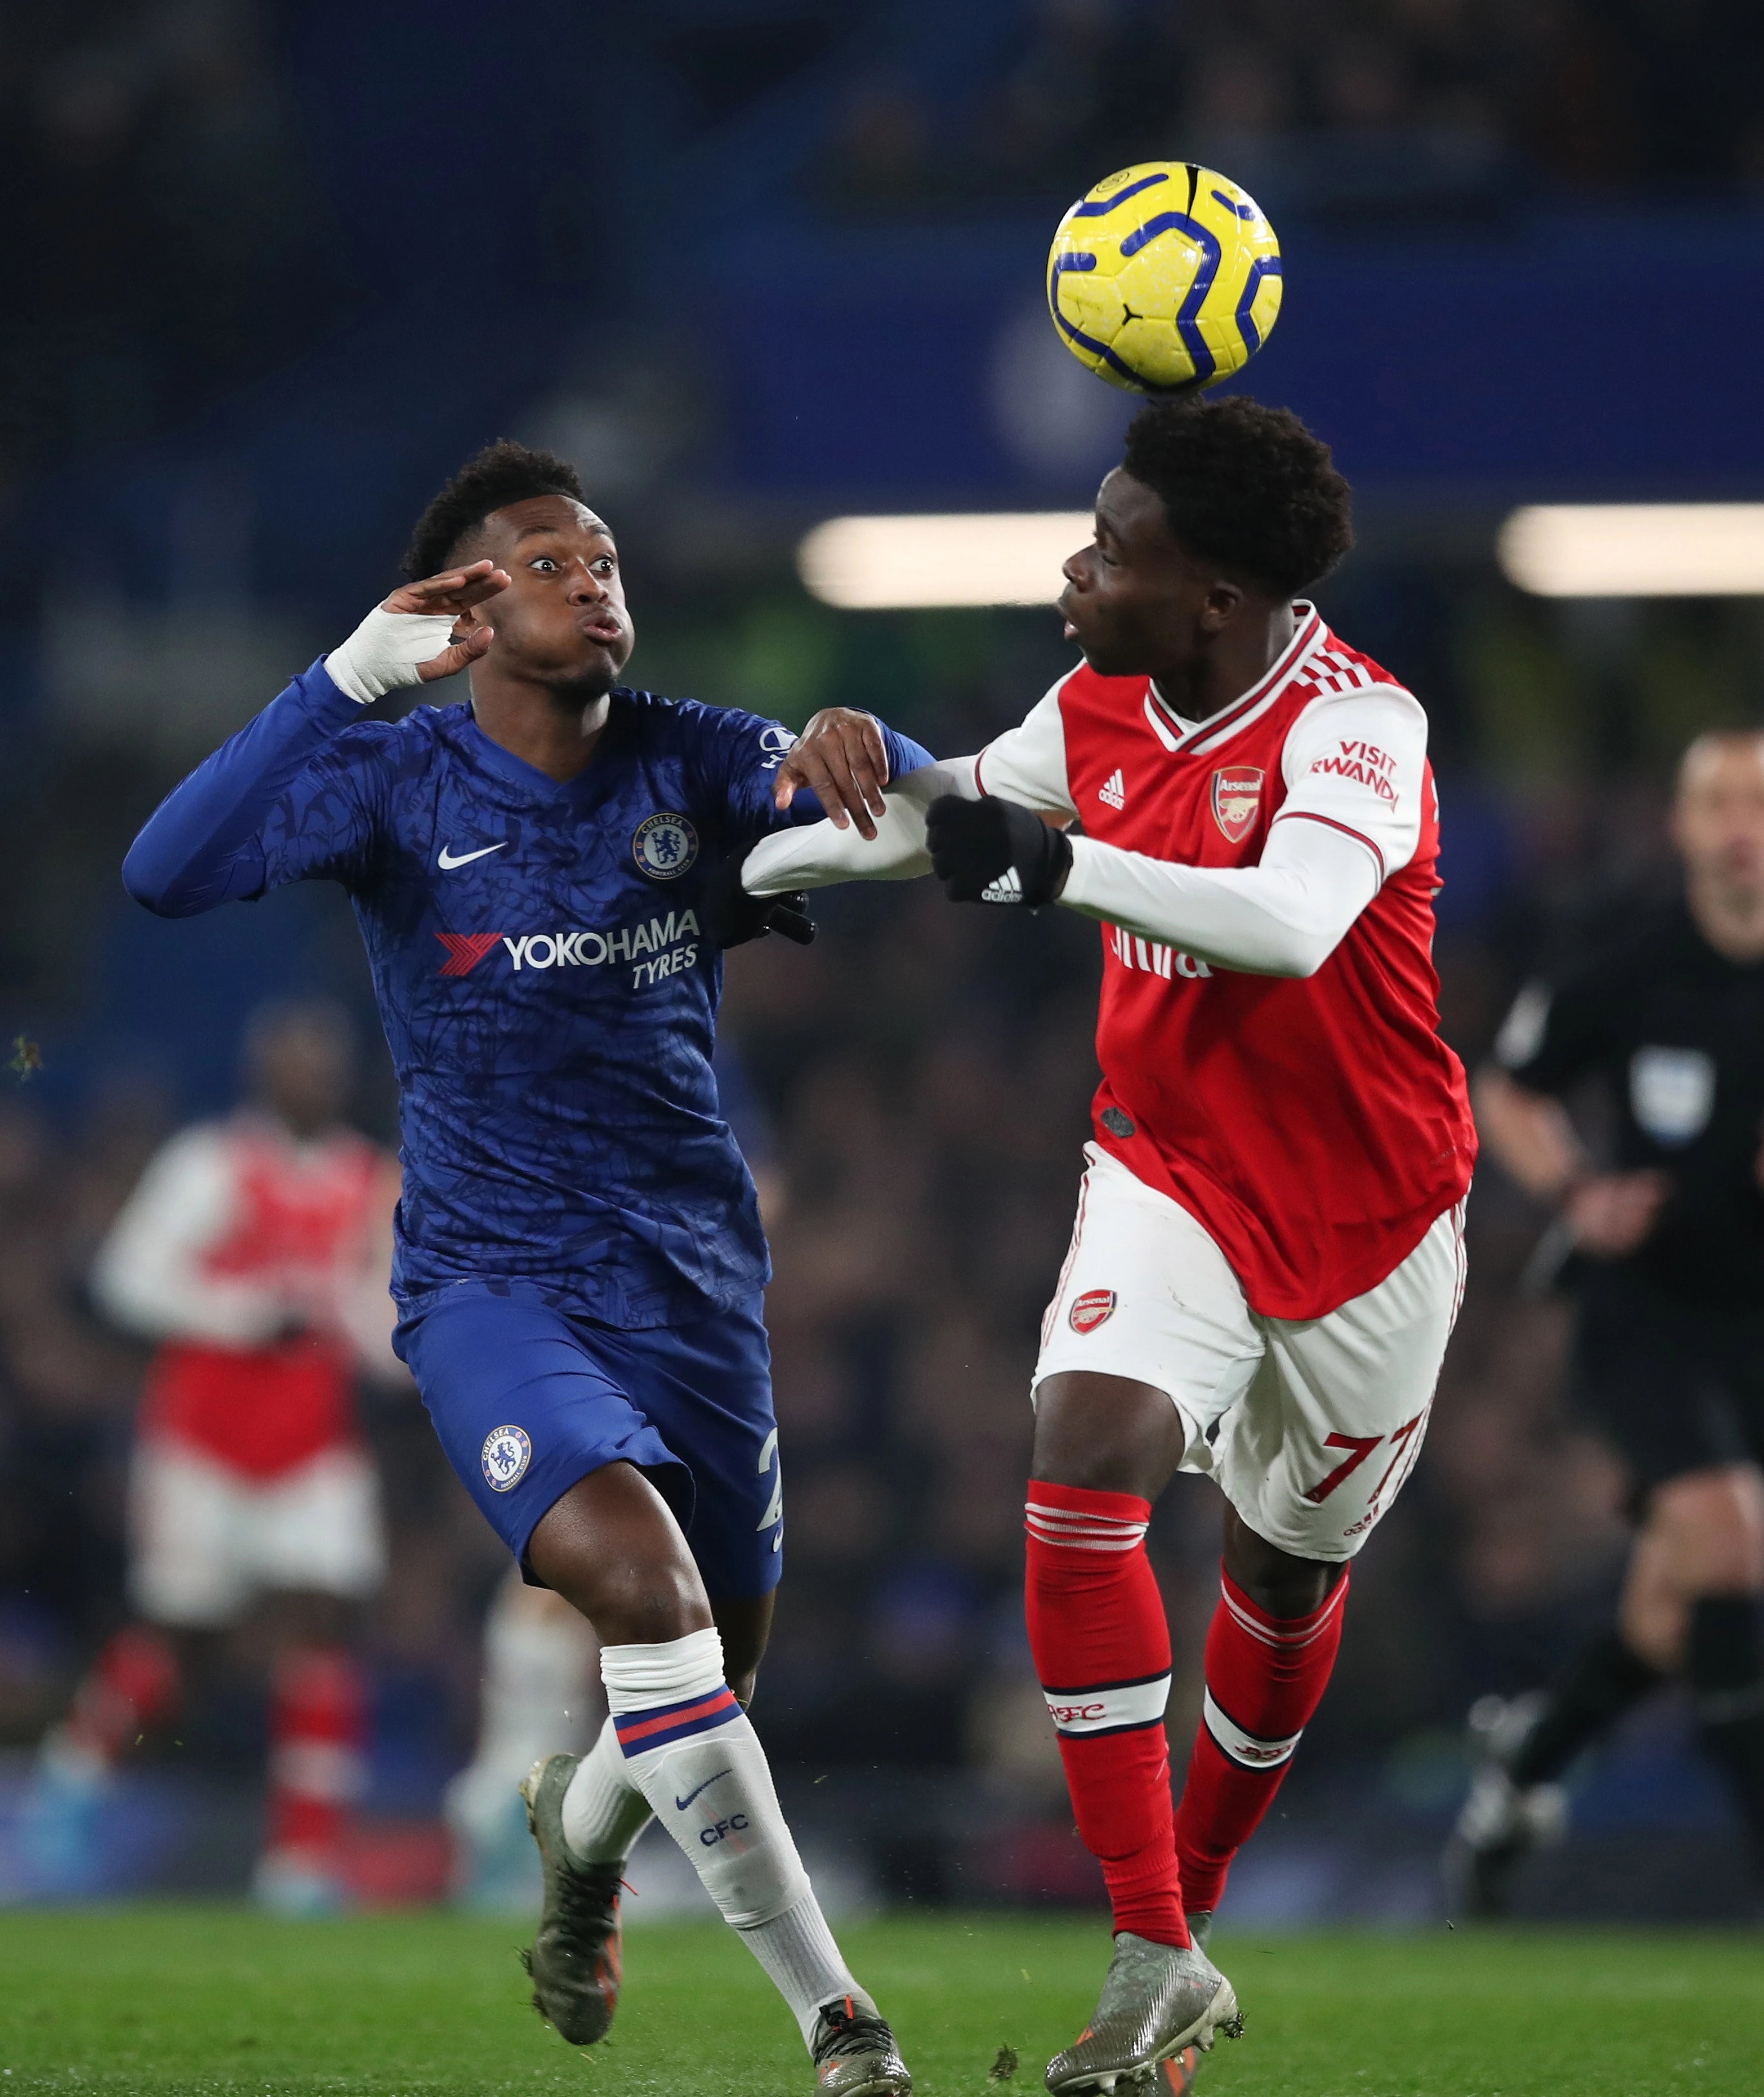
column 1164, row 278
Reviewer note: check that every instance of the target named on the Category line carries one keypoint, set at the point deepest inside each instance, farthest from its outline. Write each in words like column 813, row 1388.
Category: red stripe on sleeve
column 1306, row 816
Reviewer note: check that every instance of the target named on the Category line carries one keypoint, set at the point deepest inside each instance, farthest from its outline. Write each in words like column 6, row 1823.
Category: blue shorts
column 527, row 1399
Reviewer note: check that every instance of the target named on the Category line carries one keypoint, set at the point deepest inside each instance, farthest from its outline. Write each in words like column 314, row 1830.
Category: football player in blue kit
column 545, row 879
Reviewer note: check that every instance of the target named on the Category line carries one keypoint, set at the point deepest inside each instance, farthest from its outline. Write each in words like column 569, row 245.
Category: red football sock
column 1101, row 1650
column 132, row 1685
column 317, row 1732
column 1265, row 1676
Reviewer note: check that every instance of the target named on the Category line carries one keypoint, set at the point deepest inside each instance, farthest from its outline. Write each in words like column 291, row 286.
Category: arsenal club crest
column 1094, row 1308
column 1236, row 795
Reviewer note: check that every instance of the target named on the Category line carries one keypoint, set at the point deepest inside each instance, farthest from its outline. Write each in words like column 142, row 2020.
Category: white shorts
column 1309, row 1425
column 206, row 1540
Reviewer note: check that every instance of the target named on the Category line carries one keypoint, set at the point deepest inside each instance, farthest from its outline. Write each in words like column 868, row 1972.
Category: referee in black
column 1668, row 1265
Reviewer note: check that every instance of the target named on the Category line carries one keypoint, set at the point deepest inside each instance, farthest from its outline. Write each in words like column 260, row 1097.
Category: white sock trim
column 639, row 1675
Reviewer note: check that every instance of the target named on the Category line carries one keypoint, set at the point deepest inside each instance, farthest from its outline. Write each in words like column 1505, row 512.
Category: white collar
column 1248, row 706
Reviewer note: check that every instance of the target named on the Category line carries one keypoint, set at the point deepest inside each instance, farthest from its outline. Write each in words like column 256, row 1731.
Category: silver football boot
column 854, row 2054
column 1159, row 2006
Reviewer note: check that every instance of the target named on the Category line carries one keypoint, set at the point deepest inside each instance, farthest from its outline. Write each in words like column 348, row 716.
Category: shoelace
column 587, row 1897
column 849, row 2032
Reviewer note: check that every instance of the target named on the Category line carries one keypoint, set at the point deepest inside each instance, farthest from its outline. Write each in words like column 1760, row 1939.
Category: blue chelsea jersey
column 546, row 989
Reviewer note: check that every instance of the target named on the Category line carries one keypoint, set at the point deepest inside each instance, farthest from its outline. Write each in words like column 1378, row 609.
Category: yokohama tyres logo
column 653, row 949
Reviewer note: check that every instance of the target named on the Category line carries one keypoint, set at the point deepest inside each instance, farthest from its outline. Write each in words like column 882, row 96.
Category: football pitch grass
column 216, row 1999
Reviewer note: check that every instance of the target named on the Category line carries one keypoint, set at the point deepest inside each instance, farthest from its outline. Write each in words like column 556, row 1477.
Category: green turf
column 218, row 1999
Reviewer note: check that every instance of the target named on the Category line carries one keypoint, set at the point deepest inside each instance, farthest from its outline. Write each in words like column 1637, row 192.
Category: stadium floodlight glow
column 897, row 563
column 1635, row 550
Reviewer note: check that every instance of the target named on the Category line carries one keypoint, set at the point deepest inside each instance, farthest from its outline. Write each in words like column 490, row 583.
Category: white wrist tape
column 388, row 648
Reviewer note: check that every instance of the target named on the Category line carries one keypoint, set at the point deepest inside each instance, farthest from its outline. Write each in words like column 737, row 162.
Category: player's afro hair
column 1246, row 486
column 501, row 473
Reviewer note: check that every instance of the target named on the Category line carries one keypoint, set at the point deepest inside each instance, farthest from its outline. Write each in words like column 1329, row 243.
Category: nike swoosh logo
column 683, row 1803
column 447, row 862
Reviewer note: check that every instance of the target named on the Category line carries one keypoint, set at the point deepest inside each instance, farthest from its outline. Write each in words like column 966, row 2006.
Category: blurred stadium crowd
column 923, row 1073
column 1358, row 105
column 184, row 173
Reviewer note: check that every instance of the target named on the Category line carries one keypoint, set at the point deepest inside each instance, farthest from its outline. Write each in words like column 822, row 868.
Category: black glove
column 729, row 916
column 994, row 851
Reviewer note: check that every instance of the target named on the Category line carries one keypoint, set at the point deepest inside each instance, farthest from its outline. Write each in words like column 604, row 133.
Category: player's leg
column 1691, row 1604
column 1309, row 1461
column 603, row 1811
column 611, row 1547
column 568, row 1471
column 1146, row 1342
column 1105, row 1449
column 315, row 1548
column 185, row 1585
column 707, row 1387
column 1270, row 1650
column 1652, row 1378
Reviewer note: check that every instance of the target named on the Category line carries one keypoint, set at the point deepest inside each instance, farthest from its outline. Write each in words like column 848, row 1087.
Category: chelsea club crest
column 505, row 1455
column 665, row 847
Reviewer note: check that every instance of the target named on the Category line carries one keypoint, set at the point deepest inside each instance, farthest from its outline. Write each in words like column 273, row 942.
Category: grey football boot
column 575, row 1961
column 855, row 2055
column 1159, row 2004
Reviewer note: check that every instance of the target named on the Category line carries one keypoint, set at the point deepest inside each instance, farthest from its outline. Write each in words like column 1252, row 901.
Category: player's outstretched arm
column 204, row 844
column 891, row 847
column 1284, row 916
column 886, row 842
column 1349, row 820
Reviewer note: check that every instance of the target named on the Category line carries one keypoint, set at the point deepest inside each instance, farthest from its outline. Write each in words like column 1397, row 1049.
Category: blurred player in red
column 256, row 1251
column 1267, row 1257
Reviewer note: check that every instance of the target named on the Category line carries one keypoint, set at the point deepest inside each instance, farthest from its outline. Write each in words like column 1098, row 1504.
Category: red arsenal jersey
column 236, row 1252
column 1315, row 1125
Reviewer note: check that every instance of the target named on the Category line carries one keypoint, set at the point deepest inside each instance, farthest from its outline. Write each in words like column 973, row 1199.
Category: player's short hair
column 1716, row 742
column 501, row 473
column 1246, row 486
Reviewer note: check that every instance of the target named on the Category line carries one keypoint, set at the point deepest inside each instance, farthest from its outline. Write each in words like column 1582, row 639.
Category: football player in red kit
column 1269, row 1253
column 256, row 1252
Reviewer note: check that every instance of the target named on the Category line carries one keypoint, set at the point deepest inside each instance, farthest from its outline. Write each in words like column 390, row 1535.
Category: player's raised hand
column 841, row 758
column 409, row 640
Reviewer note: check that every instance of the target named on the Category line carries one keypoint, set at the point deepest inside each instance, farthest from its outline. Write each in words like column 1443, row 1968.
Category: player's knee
column 630, row 1601
column 1106, row 1434
column 1275, row 1580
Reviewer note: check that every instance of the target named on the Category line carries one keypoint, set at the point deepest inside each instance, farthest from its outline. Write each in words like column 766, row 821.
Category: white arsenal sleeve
column 149, row 1274
column 1355, row 766
column 1026, row 764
